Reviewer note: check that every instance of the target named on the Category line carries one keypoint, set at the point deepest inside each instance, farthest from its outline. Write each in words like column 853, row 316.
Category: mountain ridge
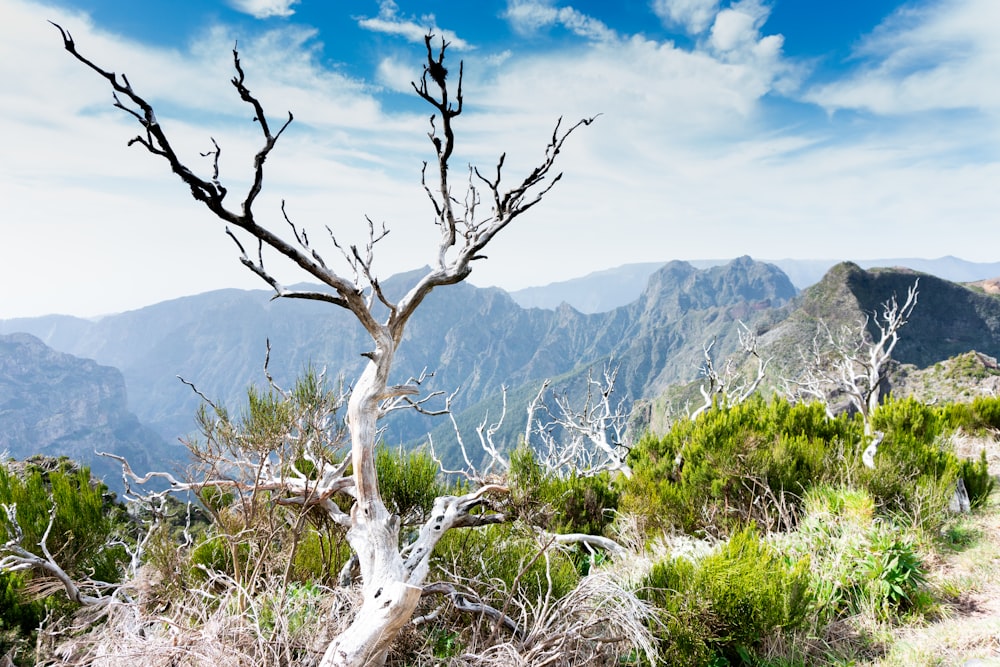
column 478, row 339
column 606, row 289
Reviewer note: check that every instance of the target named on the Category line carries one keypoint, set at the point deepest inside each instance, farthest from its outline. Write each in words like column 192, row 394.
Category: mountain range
column 607, row 289
column 477, row 340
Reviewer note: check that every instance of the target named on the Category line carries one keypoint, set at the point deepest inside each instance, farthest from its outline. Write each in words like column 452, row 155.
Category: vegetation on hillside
column 750, row 535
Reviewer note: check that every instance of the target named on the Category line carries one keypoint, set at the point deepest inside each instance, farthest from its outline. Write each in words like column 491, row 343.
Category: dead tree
column 391, row 579
column 586, row 440
column 728, row 386
column 854, row 364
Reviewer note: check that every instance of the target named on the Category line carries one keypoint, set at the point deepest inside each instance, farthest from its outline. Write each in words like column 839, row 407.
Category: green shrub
column 892, row 576
column 408, row 482
column 735, row 465
column 915, row 470
column 510, row 559
column 686, row 633
column 215, row 554
column 724, row 605
column 921, row 422
column 574, row 504
column 320, row 554
column 978, row 480
column 20, row 616
column 987, row 412
column 755, row 461
column 86, row 529
column 861, row 563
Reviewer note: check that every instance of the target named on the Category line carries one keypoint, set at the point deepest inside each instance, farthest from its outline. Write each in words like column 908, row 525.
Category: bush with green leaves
column 862, row 564
column 720, row 607
column 409, row 482
column 754, row 461
column 574, row 504
column 893, row 575
column 86, row 519
column 915, row 468
column 511, row 559
column 86, row 533
column 986, row 410
column 737, row 464
column 978, row 480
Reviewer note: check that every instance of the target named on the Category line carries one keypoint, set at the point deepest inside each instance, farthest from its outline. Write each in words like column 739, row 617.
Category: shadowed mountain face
column 949, row 319
column 56, row 404
column 470, row 338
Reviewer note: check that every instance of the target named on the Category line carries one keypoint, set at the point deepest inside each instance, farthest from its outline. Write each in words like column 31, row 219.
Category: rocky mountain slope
column 949, row 318
column 946, row 350
column 470, row 338
column 55, row 404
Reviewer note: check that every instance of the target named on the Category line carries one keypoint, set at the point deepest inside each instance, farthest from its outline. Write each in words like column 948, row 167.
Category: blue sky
column 781, row 128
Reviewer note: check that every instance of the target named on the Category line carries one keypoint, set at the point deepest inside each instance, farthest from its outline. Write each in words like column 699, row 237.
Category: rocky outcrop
column 55, row 404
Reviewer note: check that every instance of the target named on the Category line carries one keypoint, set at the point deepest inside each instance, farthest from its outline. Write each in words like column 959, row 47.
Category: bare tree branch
column 853, row 363
column 583, row 440
column 729, row 386
column 18, row 558
column 391, row 579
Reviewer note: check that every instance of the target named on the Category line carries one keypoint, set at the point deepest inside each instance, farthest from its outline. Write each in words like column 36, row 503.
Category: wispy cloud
column 642, row 83
column 412, row 29
column 695, row 16
column 941, row 56
column 528, row 16
column 686, row 161
column 263, row 9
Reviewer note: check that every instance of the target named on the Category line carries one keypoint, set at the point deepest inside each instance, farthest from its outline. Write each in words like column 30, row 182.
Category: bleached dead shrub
column 219, row 624
column 596, row 623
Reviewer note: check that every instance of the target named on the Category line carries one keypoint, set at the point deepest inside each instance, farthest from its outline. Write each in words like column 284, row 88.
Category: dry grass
column 595, row 624
column 220, row 624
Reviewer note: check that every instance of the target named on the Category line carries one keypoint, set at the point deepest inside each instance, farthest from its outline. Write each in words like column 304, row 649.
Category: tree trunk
column 388, row 597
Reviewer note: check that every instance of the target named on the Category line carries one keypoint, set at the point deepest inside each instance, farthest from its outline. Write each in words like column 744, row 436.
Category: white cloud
column 411, row 29
column 693, row 15
column 642, row 86
column 684, row 163
column 263, row 9
column 528, row 16
column 738, row 27
column 397, row 75
column 942, row 56
column 498, row 59
column 75, row 193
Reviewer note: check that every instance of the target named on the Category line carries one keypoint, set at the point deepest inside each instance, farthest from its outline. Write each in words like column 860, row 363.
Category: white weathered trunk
column 368, row 638
column 388, row 598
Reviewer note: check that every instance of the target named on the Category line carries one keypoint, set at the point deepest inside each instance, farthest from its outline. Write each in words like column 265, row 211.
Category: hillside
column 656, row 341
column 478, row 340
column 935, row 358
column 55, row 404
column 471, row 338
column 949, row 318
